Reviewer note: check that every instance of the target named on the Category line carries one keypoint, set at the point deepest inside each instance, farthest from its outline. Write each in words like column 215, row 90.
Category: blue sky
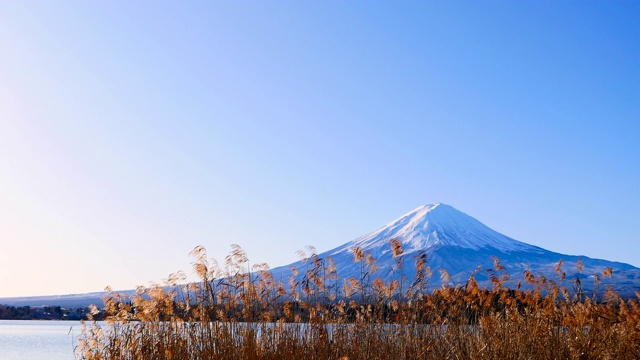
column 132, row 132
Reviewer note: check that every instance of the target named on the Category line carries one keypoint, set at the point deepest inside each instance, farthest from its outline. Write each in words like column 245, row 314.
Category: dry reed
column 238, row 311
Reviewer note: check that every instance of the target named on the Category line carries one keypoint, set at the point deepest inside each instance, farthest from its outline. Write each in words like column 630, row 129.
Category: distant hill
column 71, row 301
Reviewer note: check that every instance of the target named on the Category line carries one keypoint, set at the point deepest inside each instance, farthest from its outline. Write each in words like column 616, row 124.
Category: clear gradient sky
column 131, row 132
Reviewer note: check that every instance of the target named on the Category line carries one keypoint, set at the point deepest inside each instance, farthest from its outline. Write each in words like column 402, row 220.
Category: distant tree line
column 41, row 313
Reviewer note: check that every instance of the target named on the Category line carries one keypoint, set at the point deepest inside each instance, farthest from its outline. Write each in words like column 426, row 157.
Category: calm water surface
column 38, row 340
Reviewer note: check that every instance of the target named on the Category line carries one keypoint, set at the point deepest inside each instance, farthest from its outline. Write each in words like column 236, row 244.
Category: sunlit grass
column 240, row 312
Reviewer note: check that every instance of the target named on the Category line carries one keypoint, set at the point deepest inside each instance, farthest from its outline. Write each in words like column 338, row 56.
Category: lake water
column 38, row 340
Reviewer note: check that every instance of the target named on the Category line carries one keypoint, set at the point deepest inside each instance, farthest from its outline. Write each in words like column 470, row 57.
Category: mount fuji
column 462, row 245
column 451, row 240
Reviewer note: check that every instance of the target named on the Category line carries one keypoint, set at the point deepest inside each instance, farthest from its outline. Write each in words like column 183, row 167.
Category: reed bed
column 238, row 311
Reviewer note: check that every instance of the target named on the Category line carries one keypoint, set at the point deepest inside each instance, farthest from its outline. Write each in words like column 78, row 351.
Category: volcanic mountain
column 461, row 245
column 449, row 240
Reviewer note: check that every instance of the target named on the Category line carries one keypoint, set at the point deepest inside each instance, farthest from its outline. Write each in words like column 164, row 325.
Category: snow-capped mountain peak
column 439, row 225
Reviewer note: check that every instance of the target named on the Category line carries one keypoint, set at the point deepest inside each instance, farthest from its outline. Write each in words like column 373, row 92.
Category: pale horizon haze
column 130, row 132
